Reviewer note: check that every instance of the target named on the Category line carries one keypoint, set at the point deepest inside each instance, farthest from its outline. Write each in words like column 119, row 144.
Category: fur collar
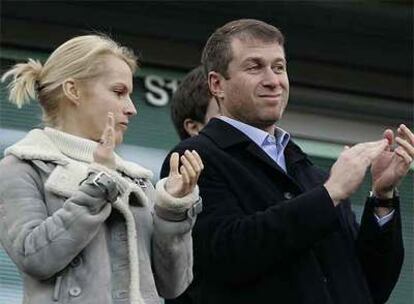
column 68, row 173
column 37, row 145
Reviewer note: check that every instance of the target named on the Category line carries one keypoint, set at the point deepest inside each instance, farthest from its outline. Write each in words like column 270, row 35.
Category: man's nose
column 271, row 78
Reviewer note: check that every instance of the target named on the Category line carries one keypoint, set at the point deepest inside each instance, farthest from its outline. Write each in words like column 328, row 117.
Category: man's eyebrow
column 261, row 59
column 253, row 59
column 280, row 60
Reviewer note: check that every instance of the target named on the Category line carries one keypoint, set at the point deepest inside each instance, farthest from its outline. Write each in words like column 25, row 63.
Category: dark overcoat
column 269, row 237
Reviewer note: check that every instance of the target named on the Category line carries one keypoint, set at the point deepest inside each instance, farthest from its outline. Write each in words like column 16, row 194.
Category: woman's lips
column 124, row 125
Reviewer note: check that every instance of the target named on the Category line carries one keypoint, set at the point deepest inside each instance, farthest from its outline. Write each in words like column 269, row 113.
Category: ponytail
column 77, row 58
column 25, row 83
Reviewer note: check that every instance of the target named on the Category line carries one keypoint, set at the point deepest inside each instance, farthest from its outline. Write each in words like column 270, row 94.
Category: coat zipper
column 56, row 291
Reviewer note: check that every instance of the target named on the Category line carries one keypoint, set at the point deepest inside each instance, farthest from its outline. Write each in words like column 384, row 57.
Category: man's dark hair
column 217, row 52
column 190, row 100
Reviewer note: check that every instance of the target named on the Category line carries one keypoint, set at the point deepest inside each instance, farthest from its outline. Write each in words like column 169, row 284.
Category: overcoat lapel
column 257, row 152
column 226, row 137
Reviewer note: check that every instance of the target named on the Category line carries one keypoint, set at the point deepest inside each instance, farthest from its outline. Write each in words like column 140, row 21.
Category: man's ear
column 192, row 127
column 215, row 83
column 71, row 91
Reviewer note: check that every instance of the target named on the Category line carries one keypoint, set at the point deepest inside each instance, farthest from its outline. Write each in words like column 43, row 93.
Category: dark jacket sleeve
column 236, row 247
column 381, row 252
column 380, row 249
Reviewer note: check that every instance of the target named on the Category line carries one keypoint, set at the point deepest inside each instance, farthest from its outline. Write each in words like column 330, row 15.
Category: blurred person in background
column 192, row 104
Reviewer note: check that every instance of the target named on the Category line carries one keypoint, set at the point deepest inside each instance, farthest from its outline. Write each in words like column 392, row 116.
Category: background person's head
column 247, row 73
column 82, row 80
column 192, row 105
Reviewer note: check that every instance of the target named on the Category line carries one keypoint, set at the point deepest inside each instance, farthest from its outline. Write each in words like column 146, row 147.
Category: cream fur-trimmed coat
column 69, row 253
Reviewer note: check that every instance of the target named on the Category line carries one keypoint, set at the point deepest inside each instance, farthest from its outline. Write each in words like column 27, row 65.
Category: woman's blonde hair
column 77, row 58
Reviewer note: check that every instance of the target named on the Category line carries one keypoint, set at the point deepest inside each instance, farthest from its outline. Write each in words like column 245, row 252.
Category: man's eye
column 279, row 68
column 253, row 67
column 119, row 93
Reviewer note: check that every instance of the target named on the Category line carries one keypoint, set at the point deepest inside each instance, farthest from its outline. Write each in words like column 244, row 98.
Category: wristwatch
column 105, row 183
column 383, row 202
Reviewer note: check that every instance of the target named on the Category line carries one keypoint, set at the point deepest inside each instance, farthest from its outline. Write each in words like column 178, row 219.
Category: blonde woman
column 82, row 224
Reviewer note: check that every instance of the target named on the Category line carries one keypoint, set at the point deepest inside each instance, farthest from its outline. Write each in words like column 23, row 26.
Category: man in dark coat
column 276, row 229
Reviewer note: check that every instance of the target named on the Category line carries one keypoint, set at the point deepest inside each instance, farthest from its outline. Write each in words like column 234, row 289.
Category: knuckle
column 346, row 157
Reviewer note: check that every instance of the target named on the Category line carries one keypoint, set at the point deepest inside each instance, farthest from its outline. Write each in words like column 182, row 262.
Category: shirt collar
column 259, row 136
